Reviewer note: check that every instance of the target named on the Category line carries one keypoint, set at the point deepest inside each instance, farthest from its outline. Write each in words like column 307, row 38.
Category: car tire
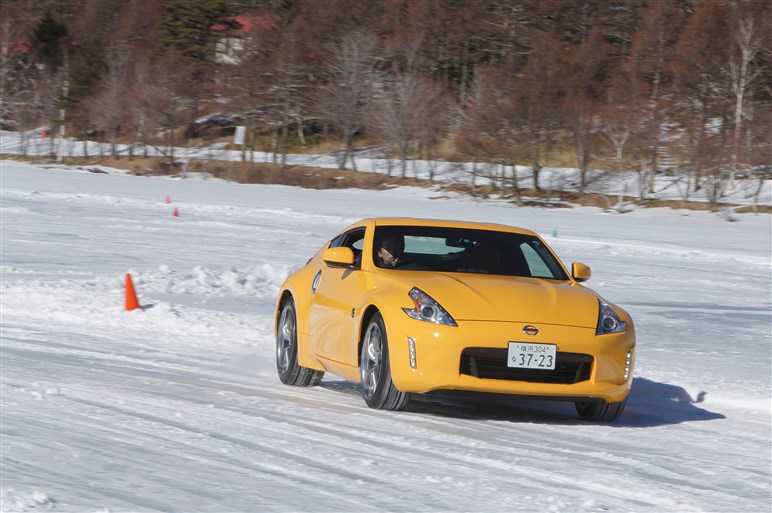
column 378, row 389
column 603, row 411
column 290, row 373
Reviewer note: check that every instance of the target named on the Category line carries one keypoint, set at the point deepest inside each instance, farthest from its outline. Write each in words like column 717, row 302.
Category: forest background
column 637, row 86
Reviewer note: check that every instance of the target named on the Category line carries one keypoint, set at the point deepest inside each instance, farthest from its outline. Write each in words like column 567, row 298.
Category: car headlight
column 427, row 309
column 608, row 320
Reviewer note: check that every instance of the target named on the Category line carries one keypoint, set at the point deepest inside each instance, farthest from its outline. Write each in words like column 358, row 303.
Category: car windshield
column 462, row 250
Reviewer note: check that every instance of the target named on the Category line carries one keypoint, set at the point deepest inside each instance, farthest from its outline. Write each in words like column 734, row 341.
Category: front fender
column 388, row 299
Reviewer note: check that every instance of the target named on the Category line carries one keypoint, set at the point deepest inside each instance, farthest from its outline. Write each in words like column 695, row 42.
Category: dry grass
column 262, row 173
column 760, row 209
column 308, row 177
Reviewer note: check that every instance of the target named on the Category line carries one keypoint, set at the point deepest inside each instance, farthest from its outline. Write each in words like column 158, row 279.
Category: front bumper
column 426, row 357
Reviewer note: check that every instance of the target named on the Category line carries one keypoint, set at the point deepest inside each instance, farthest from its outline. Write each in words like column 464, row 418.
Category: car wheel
column 290, row 373
column 603, row 411
column 378, row 390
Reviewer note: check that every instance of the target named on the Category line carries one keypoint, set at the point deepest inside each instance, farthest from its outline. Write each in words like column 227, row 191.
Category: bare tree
column 109, row 108
column 23, row 101
column 354, row 72
column 538, row 93
column 409, row 110
column 748, row 37
column 466, row 134
column 616, row 128
column 489, row 129
column 16, row 72
column 700, row 99
column 579, row 121
column 165, row 98
column 651, row 78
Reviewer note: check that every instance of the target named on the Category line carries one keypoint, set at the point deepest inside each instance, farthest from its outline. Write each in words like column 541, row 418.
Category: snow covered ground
column 177, row 407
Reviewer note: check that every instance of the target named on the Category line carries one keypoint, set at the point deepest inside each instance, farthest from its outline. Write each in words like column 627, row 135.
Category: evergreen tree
column 87, row 67
column 48, row 37
column 192, row 27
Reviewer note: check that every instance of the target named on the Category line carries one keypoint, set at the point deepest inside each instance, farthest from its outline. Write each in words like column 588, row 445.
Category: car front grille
column 490, row 363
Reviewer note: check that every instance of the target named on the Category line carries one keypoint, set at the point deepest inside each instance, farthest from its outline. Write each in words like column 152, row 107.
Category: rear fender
column 301, row 321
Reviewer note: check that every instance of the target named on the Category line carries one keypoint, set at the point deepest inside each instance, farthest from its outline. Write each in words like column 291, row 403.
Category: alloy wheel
column 371, row 360
column 285, row 339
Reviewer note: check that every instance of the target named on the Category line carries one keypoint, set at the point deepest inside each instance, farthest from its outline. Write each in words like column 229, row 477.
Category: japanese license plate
column 531, row 356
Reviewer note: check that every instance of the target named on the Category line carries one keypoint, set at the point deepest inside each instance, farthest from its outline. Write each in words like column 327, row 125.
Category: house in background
column 231, row 48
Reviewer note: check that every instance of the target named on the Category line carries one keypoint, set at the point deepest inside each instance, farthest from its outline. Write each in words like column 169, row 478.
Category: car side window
column 536, row 265
column 539, row 261
column 354, row 239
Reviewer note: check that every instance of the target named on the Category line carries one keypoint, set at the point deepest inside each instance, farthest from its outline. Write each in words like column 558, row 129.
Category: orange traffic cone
column 131, row 296
column 176, row 212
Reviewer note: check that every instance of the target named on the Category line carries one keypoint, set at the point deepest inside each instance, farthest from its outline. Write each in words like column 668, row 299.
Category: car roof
column 412, row 221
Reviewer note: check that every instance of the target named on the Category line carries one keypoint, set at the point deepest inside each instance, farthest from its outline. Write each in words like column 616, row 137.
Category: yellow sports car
column 408, row 306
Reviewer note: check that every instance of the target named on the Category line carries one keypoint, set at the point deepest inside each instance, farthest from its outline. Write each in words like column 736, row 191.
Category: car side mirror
column 340, row 256
column 580, row 272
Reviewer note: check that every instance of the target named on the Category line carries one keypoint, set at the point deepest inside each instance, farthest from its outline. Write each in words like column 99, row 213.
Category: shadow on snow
column 650, row 404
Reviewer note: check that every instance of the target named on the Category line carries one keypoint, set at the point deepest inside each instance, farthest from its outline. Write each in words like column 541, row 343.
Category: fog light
column 411, row 348
column 628, row 361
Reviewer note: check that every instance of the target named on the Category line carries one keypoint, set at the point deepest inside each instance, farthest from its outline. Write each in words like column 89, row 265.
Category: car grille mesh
column 492, row 364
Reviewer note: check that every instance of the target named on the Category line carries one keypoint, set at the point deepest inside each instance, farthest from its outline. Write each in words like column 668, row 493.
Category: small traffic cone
column 131, row 296
column 176, row 212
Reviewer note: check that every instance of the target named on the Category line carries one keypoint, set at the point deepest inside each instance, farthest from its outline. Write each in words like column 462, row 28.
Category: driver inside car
column 390, row 251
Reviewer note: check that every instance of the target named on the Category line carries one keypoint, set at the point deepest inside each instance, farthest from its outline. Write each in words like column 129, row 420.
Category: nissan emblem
column 531, row 330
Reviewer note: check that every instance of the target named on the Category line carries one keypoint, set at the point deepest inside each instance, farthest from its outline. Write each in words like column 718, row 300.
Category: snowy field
column 177, row 407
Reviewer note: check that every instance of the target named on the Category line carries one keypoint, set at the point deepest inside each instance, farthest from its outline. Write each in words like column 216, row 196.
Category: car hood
column 510, row 298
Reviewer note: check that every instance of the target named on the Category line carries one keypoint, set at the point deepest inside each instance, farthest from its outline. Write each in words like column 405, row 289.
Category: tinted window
column 470, row 251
